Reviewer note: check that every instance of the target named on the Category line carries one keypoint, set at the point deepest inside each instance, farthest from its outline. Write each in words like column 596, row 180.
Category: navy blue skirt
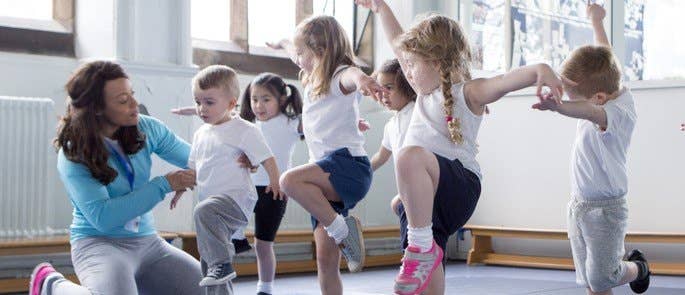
column 350, row 177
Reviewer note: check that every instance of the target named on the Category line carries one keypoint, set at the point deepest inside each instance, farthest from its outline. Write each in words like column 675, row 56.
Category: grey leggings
column 144, row 265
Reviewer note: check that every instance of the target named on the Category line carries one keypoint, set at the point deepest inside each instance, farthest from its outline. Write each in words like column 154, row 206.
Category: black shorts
column 268, row 214
column 454, row 202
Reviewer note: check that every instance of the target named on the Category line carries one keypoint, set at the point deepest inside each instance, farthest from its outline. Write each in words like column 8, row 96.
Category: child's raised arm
column 483, row 91
column 390, row 24
column 596, row 13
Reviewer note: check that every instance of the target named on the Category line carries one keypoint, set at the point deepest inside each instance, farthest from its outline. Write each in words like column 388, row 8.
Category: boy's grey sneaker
column 352, row 246
column 218, row 275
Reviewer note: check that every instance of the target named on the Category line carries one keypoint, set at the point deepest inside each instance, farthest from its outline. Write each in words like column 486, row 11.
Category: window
column 651, row 49
column 487, row 35
column 27, row 9
column 234, row 32
column 548, row 31
column 342, row 10
column 210, row 20
column 270, row 21
column 37, row 26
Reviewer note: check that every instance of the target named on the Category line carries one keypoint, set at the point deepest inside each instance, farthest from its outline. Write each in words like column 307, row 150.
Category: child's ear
column 601, row 97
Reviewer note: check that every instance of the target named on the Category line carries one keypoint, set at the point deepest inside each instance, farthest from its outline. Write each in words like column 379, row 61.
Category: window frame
column 45, row 37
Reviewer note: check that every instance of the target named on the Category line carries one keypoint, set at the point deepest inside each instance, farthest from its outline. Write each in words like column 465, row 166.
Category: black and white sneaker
column 641, row 284
column 218, row 275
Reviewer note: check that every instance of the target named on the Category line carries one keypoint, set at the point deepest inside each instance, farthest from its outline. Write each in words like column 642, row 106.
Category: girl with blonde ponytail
column 437, row 173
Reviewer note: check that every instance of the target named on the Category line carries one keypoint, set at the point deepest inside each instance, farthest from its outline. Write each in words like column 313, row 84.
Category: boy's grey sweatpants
column 597, row 230
column 216, row 219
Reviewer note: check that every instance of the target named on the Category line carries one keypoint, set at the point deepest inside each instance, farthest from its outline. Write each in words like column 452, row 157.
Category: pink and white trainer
column 40, row 272
column 417, row 269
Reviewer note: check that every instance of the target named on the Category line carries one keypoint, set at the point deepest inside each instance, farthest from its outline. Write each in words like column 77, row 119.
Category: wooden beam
column 303, row 10
column 239, row 24
column 63, row 13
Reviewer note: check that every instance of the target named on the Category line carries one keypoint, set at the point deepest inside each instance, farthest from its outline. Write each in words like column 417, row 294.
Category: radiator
column 27, row 165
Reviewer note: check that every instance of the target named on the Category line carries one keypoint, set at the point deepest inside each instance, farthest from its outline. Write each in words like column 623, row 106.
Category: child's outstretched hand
column 547, row 103
column 370, row 87
column 370, row 4
column 595, row 12
column 547, row 78
column 174, row 201
column 185, row 111
column 276, row 190
column 277, row 45
column 363, row 125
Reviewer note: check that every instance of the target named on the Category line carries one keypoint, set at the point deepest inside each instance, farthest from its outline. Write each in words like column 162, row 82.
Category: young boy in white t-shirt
column 227, row 195
column 598, row 213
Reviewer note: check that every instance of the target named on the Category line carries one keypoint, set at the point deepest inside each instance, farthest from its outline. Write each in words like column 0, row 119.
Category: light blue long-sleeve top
column 104, row 210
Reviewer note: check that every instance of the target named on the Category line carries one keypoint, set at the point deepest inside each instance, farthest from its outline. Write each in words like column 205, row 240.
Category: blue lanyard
column 128, row 169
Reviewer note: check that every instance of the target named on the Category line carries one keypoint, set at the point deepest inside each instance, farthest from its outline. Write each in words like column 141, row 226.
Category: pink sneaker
column 417, row 269
column 40, row 272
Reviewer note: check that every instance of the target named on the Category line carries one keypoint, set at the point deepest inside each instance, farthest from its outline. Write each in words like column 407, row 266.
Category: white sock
column 50, row 282
column 421, row 237
column 338, row 229
column 266, row 287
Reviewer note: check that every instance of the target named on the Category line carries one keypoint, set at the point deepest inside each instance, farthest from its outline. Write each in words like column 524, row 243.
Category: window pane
column 270, row 21
column 487, row 35
column 342, row 10
column 652, row 51
column 31, row 9
column 547, row 31
column 210, row 19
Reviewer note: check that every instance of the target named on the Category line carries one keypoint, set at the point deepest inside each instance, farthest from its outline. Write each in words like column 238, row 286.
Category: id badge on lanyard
column 132, row 225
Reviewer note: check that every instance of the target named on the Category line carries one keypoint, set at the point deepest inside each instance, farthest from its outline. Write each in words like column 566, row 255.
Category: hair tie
column 448, row 118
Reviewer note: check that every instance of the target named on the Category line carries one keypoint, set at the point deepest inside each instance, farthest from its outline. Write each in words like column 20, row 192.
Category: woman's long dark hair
column 78, row 134
column 291, row 107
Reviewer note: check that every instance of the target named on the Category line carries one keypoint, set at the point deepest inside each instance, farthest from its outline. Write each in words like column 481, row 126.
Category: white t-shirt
column 598, row 162
column 330, row 122
column 214, row 155
column 396, row 129
column 428, row 128
column 281, row 136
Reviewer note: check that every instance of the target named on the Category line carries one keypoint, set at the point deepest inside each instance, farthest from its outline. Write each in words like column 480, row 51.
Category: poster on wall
column 547, row 31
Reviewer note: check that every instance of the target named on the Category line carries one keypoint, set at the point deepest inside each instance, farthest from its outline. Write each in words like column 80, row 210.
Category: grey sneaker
column 218, row 275
column 352, row 246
